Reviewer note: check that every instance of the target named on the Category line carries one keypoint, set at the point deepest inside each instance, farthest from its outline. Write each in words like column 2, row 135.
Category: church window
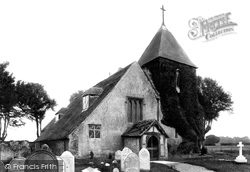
column 94, row 131
column 85, row 103
column 177, row 81
column 134, row 109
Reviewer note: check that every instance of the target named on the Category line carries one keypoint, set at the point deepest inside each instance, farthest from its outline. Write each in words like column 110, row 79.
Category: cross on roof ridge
column 162, row 8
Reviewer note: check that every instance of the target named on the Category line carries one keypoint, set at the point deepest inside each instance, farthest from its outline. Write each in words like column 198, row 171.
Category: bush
column 211, row 140
column 186, row 147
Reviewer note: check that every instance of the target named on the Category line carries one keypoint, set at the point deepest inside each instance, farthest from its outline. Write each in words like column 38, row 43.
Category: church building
column 125, row 109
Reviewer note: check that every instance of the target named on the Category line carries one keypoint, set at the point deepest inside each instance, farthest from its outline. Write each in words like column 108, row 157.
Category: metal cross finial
column 162, row 8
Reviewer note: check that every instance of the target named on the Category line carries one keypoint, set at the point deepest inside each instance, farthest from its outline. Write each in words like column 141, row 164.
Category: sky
column 72, row 45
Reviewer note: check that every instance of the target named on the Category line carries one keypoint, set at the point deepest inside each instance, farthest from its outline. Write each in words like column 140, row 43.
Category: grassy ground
column 218, row 162
column 222, row 162
column 85, row 163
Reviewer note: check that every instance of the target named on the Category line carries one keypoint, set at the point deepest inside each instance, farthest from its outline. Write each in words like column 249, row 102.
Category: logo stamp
column 211, row 28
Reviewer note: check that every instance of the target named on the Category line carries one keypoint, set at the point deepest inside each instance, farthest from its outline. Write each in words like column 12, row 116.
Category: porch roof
column 141, row 127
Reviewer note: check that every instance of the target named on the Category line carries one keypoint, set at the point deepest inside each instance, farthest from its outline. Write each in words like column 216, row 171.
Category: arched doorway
column 153, row 147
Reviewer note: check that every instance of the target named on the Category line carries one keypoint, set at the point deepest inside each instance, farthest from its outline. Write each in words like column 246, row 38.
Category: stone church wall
column 112, row 114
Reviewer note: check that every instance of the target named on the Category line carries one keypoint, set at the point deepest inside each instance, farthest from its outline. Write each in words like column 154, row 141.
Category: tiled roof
column 139, row 128
column 74, row 116
column 164, row 45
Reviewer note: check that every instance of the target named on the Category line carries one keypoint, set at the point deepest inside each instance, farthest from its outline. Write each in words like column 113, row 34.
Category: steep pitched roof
column 164, row 45
column 74, row 116
column 139, row 128
column 62, row 110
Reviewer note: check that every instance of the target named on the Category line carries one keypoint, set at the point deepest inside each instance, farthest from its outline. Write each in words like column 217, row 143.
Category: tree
column 10, row 115
column 76, row 94
column 34, row 102
column 213, row 100
column 212, row 140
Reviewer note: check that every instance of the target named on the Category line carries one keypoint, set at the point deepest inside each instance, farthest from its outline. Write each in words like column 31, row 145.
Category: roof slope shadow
column 74, row 116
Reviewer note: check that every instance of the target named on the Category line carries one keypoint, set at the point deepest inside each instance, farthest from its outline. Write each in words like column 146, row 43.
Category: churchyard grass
column 222, row 161
column 85, row 163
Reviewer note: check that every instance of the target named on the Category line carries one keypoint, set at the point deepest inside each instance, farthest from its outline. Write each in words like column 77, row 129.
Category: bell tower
column 174, row 76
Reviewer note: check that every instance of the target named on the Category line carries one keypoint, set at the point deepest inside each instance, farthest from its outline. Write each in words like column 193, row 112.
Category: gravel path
column 183, row 167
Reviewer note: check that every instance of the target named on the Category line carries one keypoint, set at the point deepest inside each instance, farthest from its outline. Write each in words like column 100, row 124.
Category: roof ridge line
column 152, row 123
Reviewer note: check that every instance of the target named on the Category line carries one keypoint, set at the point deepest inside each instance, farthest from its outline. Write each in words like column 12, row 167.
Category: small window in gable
column 178, row 81
column 85, row 103
column 94, row 130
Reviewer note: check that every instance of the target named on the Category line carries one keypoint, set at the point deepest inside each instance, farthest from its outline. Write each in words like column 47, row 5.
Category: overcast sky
column 72, row 45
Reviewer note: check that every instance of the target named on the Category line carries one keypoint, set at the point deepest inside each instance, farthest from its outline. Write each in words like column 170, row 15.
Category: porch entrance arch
column 153, row 147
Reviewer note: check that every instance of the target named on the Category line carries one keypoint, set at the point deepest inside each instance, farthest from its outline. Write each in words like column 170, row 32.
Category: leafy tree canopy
column 212, row 140
column 10, row 115
column 34, row 101
column 213, row 99
column 74, row 95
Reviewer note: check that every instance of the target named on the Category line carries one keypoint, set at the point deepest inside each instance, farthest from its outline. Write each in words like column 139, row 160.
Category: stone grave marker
column 124, row 154
column 40, row 161
column 61, row 164
column 69, row 160
column 131, row 163
column 116, row 170
column 90, row 169
column 240, row 158
column 2, row 167
column 144, row 158
column 46, row 147
column 17, row 165
column 118, row 155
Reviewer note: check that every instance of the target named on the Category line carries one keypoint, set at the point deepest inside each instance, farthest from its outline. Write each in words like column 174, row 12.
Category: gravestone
column 118, row 155
column 61, row 164
column 240, row 158
column 17, row 165
column 40, row 161
column 69, row 160
column 116, row 170
column 131, row 163
column 124, row 154
column 46, row 147
column 144, row 158
column 90, row 169
column 2, row 167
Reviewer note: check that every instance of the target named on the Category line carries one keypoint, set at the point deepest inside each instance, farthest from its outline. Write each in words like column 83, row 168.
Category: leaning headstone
column 240, row 158
column 69, row 160
column 144, row 157
column 40, row 161
column 2, row 167
column 124, row 154
column 16, row 165
column 131, row 163
column 118, row 155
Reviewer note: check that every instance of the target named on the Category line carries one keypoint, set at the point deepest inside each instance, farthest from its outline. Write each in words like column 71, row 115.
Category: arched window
column 178, row 81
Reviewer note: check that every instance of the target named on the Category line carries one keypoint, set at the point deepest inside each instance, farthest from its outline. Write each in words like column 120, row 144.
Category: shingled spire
column 165, row 45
